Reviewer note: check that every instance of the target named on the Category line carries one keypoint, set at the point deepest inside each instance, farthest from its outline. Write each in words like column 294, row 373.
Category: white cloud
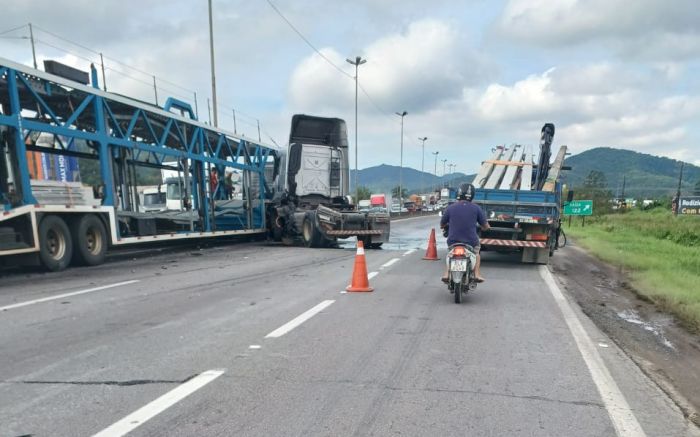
column 640, row 29
column 410, row 71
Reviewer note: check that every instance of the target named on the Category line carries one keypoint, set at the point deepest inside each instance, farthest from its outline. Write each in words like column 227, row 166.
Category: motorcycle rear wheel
column 459, row 289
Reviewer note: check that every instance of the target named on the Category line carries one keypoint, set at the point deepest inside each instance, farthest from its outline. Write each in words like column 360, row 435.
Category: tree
column 395, row 192
column 595, row 188
column 363, row 193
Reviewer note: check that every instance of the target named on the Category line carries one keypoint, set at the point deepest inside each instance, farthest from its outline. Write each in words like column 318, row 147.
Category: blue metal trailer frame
column 33, row 101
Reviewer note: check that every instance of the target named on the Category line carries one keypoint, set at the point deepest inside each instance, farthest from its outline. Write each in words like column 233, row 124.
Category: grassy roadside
column 660, row 252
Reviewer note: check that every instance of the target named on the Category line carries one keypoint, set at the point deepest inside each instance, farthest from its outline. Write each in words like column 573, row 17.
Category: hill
column 644, row 175
column 383, row 178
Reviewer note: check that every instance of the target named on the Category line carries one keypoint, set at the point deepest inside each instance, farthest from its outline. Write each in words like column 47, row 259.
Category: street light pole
column 436, row 155
column 443, row 167
column 357, row 62
column 213, row 74
column 402, row 115
column 422, row 165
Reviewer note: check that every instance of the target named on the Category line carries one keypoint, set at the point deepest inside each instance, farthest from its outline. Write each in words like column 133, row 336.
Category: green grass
column 660, row 252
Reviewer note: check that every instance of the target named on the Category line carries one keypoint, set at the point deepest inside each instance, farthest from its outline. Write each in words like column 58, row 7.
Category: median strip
column 147, row 412
column 299, row 319
column 61, row 296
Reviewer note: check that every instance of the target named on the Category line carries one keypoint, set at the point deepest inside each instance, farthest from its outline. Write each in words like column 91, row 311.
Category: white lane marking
column 409, row 252
column 299, row 320
column 254, row 346
column 61, row 296
column 371, row 275
column 343, row 292
column 143, row 414
column 390, row 263
column 621, row 415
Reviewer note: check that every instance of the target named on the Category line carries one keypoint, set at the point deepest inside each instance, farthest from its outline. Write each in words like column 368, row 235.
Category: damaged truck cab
column 312, row 201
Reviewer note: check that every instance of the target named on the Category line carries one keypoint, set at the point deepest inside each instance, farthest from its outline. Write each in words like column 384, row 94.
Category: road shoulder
column 655, row 341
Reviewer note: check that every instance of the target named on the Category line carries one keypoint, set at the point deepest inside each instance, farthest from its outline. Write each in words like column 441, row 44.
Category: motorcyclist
column 461, row 218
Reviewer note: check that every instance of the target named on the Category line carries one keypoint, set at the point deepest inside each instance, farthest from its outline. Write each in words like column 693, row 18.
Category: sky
column 471, row 74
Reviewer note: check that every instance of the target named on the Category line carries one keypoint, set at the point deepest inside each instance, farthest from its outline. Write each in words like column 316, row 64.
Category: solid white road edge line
column 61, row 296
column 621, row 415
column 299, row 319
column 371, row 275
column 390, row 263
column 143, row 414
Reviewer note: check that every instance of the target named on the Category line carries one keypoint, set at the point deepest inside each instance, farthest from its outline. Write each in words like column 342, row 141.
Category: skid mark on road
column 61, row 296
column 621, row 415
column 299, row 319
column 147, row 412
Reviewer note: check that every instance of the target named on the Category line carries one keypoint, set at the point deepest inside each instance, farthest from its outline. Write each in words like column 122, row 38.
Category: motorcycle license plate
column 458, row 265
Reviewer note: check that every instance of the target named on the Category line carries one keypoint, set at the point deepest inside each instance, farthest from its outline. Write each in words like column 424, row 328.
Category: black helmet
column 466, row 192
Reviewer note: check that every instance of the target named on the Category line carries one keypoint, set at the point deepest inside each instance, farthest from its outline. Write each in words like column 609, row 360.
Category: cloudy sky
column 471, row 74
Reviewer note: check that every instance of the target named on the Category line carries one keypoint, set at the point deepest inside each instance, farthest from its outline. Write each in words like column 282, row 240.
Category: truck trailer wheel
column 89, row 241
column 55, row 243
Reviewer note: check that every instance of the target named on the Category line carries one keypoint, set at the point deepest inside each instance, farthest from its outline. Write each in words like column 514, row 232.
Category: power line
column 307, row 41
column 13, row 29
column 111, row 59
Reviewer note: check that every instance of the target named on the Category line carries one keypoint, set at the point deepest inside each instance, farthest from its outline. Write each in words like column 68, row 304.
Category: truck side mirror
column 570, row 196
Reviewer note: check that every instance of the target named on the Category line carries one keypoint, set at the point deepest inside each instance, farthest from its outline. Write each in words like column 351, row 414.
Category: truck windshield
column 174, row 191
column 153, row 199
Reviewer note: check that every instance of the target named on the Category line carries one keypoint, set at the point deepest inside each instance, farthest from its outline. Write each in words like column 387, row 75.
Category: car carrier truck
column 522, row 199
column 50, row 124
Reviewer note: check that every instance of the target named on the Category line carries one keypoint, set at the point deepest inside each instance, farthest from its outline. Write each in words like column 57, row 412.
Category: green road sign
column 579, row 207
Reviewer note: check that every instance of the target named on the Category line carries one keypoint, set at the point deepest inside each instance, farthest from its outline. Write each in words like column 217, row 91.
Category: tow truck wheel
column 55, row 243
column 89, row 241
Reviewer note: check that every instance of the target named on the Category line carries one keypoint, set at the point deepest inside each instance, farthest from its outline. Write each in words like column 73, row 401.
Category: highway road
column 257, row 339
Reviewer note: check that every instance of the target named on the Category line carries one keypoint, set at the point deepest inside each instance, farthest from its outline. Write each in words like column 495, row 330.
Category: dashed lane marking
column 61, row 296
column 408, row 252
column 389, row 263
column 147, row 412
column 621, row 415
column 299, row 319
column 371, row 275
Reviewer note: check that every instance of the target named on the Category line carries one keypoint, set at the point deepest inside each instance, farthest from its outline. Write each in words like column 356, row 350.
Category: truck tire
column 310, row 233
column 89, row 241
column 55, row 243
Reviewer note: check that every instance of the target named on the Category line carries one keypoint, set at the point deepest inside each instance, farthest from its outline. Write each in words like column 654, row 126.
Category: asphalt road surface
column 257, row 339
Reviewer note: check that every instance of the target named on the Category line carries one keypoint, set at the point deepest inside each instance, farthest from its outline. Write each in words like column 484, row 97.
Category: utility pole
column 402, row 115
column 155, row 89
column 422, row 164
column 443, row 166
column 678, row 191
column 624, row 180
column 357, row 62
column 435, row 170
column 213, row 69
column 31, row 40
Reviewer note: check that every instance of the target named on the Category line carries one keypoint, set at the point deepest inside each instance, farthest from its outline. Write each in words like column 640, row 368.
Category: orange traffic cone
column 360, row 281
column 431, row 253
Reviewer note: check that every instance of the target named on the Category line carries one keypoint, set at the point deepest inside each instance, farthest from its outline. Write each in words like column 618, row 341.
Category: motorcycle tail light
column 459, row 251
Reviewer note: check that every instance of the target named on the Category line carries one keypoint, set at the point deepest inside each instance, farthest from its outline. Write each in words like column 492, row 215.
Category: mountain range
column 641, row 174
column 383, row 178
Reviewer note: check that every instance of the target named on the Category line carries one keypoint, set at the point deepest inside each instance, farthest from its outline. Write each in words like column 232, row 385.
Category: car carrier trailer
column 49, row 123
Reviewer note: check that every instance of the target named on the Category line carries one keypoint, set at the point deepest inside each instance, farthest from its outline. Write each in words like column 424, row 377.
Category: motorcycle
column 461, row 277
